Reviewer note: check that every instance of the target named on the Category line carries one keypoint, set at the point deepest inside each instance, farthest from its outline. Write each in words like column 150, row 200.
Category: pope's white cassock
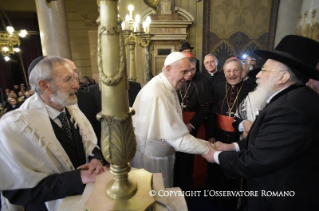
column 160, row 130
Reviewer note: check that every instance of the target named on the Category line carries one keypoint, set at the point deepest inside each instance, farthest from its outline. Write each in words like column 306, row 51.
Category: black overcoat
column 281, row 153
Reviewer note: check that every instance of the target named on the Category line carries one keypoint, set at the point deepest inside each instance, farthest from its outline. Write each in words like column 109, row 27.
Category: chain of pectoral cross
column 182, row 98
column 231, row 108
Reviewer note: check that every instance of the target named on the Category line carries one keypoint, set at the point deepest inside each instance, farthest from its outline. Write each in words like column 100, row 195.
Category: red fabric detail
column 225, row 123
column 200, row 164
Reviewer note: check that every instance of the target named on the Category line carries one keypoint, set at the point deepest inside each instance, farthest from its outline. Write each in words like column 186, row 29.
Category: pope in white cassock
column 158, row 123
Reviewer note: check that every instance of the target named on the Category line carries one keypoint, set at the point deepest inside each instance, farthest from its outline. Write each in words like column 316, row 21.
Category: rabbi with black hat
column 186, row 48
column 280, row 157
column 48, row 147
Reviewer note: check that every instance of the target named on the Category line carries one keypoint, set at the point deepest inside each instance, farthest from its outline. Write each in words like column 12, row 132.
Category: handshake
column 217, row 146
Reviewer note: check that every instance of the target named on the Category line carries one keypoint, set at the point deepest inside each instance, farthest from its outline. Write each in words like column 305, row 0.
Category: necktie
column 65, row 126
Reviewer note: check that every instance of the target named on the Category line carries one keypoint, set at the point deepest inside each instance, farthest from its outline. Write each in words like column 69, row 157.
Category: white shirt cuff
column 237, row 147
column 241, row 127
column 191, row 126
column 216, row 156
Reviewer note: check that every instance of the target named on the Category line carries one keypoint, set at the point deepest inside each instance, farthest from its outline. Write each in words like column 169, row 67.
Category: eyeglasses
column 265, row 70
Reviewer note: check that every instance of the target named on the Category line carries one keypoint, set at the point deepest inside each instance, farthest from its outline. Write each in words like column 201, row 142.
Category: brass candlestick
column 128, row 190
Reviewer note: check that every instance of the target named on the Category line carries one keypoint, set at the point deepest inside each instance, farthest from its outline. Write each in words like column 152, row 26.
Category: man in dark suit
column 186, row 48
column 13, row 105
column 132, row 93
column 212, row 73
column 280, row 157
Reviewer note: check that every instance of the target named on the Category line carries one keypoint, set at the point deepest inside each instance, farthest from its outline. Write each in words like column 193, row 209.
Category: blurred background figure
column 13, row 105
column 86, row 80
column 186, row 48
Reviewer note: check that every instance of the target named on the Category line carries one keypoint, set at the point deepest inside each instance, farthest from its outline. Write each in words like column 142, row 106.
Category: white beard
column 257, row 99
column 62, row 99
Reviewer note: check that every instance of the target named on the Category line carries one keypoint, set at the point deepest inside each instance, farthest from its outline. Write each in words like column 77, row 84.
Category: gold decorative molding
column 310, row 30
column 152, row 3
column 169, row 29
column 166, row 7
column 183, row 14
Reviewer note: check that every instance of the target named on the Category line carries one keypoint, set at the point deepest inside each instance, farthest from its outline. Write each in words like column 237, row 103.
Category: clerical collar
column 212, row 74
column 166, row 82
column 236, row 84
column 52, row 112
column 273, row 95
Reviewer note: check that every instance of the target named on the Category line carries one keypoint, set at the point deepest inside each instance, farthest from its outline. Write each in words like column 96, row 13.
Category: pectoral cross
column 229, row 113
column 183, row 106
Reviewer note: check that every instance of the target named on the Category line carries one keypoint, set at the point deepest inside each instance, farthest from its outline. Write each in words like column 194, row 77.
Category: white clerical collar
column 212, row 74
column 166, row 82
column 273, row 95
column 52, row 112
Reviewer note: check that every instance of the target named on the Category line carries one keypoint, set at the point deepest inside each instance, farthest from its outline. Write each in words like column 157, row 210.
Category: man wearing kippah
column 280, row 156
column 158, row 123
column 48, row 147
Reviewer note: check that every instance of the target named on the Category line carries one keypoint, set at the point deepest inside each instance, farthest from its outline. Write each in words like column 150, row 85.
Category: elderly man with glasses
column 279, row 158
column 48, row 147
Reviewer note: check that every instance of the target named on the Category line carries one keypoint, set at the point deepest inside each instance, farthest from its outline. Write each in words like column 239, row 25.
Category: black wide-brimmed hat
column 186, row 45
column 254, row 72
column 299, row 53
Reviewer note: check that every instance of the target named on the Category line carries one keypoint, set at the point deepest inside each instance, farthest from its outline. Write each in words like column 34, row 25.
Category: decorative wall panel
column 237, row 27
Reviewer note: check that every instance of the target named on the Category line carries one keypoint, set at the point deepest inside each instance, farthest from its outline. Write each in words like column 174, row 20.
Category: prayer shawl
column 29, row 149
column 245, row 110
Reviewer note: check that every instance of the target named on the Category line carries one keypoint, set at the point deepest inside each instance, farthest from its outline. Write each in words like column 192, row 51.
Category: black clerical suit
column 87, row 105
column 56, row 186
column 11, row 108
column 281, row 153
column 196, row 99
column 220, row 106
column 222, row 102
column 132, row 93
column 216, row 78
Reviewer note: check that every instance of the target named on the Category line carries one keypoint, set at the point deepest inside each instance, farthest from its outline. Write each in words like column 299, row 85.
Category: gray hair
column 293, row 78
column 233, row 59
column 216, row 60
column 43, row 71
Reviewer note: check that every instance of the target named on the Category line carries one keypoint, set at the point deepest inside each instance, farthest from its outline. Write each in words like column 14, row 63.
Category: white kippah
column 174, row 57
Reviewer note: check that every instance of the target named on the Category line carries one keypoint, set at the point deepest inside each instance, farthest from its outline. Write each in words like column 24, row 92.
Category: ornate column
column 127, row 190
column 131, row 48
column 53, row 28
column 147, row 64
